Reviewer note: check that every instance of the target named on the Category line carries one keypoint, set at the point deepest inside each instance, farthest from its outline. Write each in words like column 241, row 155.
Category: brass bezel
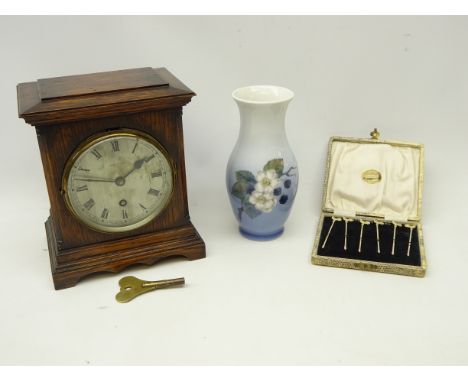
column 97, row 138
column 400, row 269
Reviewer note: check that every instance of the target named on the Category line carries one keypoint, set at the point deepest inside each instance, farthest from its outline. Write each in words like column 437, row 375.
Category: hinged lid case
column 372, row 177
column 371, row 207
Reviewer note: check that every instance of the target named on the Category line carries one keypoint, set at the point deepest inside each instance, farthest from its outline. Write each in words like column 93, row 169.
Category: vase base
column 260, row 237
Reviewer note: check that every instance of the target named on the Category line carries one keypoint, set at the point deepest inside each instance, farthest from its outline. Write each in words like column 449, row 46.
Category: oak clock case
column 131, row 207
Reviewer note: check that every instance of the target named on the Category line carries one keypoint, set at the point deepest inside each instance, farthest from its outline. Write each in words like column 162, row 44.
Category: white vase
column 262, row 175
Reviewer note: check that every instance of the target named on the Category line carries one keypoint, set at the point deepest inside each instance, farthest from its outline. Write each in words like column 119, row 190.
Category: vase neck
column 262, row 122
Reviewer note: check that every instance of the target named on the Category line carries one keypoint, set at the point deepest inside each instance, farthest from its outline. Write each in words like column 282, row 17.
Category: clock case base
column 70, row 266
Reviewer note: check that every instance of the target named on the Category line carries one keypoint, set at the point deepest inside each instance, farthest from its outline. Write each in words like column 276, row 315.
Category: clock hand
column 96, row 180
column 138, row 164
column 119, row 181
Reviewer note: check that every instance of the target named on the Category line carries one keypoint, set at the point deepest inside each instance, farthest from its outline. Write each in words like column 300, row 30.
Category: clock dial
column 118, row 182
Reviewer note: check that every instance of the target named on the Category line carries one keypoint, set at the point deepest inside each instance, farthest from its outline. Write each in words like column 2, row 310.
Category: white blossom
column 263, row 201
column 266, row 181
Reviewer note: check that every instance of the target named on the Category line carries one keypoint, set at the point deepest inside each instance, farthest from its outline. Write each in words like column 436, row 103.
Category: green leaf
column 275, row 164
column 250, row 209
column 245, row 175
column 240, row 189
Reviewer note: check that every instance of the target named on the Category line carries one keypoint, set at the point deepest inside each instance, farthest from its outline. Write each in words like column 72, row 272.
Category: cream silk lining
column 395, row 196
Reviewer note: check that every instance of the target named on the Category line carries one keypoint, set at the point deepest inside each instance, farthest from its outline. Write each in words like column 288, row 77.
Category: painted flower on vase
column 260, row 193
column 266, row 181
column 263, row 201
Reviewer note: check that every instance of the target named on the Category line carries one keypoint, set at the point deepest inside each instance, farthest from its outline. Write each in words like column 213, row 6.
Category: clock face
column 118, row 182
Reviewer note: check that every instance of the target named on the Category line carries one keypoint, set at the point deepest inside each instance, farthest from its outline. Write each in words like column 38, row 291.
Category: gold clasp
column 375, row 134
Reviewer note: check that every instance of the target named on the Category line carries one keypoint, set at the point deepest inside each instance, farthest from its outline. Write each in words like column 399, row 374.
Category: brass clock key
column 411, row 227
column 131, row 287
column 334, row 219
column 346, row 221
column 363, row 223
column 395, row 225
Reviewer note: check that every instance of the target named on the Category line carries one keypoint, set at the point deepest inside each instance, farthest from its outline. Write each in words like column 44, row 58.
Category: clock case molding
column 69, row 110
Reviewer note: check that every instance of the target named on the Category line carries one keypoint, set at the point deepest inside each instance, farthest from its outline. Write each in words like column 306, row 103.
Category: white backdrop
column 248, row 302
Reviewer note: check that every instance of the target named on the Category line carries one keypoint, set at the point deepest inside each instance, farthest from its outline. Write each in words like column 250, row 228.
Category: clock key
column 131, row 287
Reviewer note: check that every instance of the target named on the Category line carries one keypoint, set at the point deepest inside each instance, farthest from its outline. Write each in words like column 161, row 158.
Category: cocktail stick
column 363, row 223
column 411, row 227
column 346, row 220
column 377, row 223
column 395, row 225
column 334, row 219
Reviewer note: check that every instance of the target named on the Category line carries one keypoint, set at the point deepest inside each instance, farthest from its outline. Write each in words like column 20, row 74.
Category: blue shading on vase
column 262, row 176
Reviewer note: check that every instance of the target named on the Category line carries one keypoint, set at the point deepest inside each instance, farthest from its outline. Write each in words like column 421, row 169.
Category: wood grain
column 86, row 84
column 36, row 111
column 117, row 255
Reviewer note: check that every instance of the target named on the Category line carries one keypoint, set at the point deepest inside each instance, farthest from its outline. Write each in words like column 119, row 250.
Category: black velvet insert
column 335, row 243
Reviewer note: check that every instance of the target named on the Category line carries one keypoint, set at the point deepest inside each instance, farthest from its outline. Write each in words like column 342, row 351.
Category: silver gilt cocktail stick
column 411, row 227
column 395, row 225
column 377, row 223
column 346, row 220
column 334, row 219
column 363, row 223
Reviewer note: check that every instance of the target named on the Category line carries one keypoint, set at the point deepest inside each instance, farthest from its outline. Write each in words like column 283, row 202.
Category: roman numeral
column 96, row 153
column 82, row 188
column 156, row 173
column 134, row 147
column 89, row 204
column 105, row 213
column 115, row 146
column 124, row 214
column 149, row 158
column 153, row 192
column 83, row 169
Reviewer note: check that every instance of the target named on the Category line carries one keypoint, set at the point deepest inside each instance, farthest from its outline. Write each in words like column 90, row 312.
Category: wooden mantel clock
column 113, row 156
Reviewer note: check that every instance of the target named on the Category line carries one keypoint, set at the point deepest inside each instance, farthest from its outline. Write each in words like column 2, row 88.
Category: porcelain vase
column 262, row 175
